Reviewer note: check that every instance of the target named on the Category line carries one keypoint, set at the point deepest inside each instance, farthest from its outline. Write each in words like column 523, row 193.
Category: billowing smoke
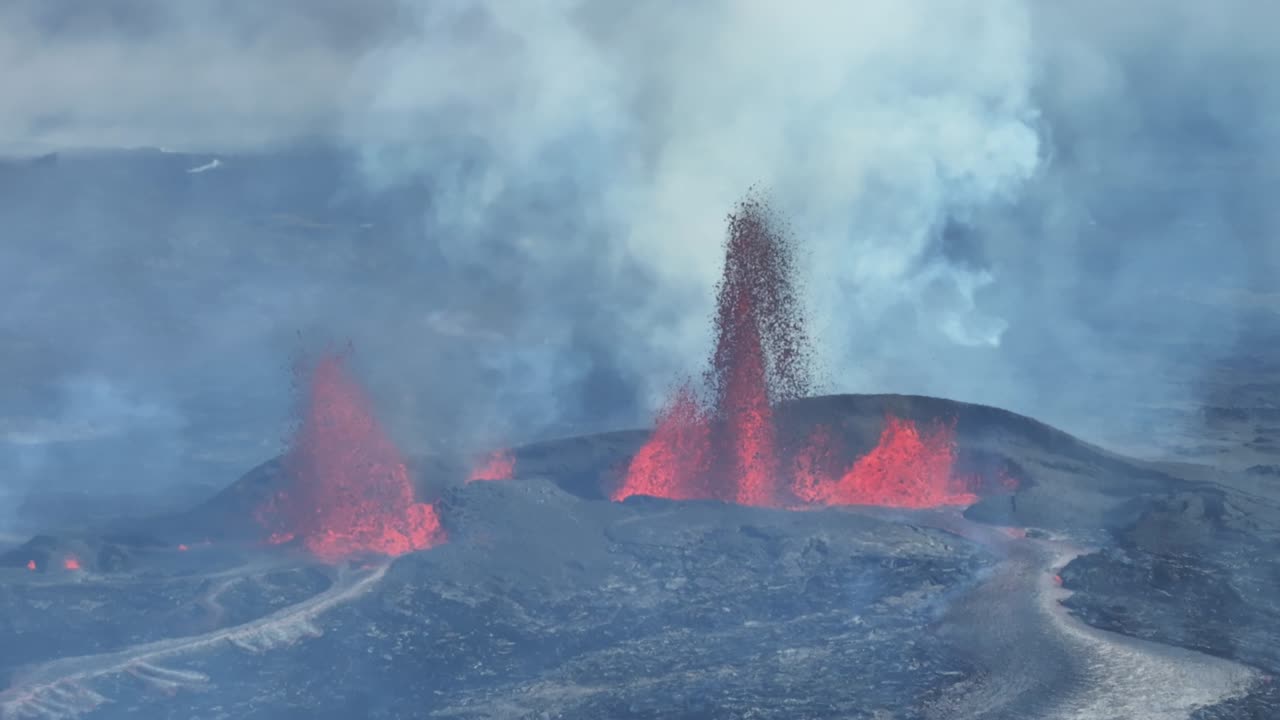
column 513, row 210
column 870, row 125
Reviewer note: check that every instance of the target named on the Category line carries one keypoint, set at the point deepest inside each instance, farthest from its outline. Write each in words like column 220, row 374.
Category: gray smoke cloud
column 869, row 125
column 514, row 210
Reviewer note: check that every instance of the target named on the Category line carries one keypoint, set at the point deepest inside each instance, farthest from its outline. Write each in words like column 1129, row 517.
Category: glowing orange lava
column 748, row 427
column 726, row 448
column 71, row 562
column 675, row 461
column 498, row 465
column 31, row 564
column 908, row 468
column 349, row 491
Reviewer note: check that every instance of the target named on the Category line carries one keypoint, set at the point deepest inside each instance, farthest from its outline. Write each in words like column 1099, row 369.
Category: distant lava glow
column 31, row 564
column 71, row 563
column 348, row 490
column 498, row 465
column 725, row 446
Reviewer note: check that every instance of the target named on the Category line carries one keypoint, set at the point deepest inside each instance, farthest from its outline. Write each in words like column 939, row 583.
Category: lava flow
column 348, row 490
column 498, row 465
column 724, row 446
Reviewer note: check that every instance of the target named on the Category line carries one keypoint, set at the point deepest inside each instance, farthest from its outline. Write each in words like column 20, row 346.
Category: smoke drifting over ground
column 514, row 210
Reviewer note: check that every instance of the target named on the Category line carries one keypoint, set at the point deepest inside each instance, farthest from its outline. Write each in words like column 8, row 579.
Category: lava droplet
column 71, row 562
column 31, row 564
column 348, row 488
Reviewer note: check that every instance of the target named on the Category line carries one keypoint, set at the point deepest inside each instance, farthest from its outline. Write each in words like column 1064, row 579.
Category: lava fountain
column 723, row 445
column 348, row 490
column 675, row 462
column 726, row 448
column 908, row 468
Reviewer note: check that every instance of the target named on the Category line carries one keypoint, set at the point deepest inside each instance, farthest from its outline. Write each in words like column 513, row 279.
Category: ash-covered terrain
column 761, row 552
column 548, row 600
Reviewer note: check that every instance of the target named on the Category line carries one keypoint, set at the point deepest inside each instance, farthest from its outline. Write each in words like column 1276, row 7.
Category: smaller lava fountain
column 348, row 490
column 908, row 468
column 497, row 465
column 676, row 461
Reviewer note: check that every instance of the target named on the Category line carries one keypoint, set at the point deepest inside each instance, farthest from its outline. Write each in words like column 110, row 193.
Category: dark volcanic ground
column 549, row 601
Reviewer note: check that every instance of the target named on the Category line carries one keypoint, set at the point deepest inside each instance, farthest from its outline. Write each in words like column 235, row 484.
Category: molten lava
column 71, row 563
column 675, row 461
column 906, row 469
column 31, row 564
column 726, row 448
column 348, row 491
column 746, row 431
column 498, row 465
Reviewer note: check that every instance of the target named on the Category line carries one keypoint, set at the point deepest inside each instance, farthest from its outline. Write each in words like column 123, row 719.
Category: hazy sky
column 522, row 203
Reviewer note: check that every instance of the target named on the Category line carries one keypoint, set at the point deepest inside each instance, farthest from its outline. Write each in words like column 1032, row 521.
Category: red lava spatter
column 725, row 447
column 31, row 564
column 908, row 468
column 71, row 562
column 498, row 465
column 348, row 490
column 761, row 355
column 674, row 463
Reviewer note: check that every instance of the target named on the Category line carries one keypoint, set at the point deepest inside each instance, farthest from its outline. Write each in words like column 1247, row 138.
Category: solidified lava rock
column 1188, row 572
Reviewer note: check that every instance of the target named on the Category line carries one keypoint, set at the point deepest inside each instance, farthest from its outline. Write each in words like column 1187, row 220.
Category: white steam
column 870, row 125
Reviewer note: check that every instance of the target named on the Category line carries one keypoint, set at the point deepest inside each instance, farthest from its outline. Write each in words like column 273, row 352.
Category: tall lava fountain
column 723, row 444
column 348, row 490
column 724, row 447
column 761, row 356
